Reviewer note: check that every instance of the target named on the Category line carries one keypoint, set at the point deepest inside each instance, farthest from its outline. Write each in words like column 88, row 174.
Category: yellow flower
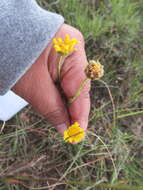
column 74, row 133
column 65, row 46
column 94, row 70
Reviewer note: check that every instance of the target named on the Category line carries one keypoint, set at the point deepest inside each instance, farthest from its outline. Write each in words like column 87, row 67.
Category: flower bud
column 94, row 70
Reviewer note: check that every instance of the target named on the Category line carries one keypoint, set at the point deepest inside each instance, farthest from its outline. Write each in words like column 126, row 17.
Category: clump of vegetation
column 33, row 155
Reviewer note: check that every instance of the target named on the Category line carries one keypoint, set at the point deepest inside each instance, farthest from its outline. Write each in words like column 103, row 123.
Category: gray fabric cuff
column 25, row 31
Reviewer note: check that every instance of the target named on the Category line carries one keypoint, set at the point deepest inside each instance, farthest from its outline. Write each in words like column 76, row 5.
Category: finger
column 37, row 87
column 72, row 77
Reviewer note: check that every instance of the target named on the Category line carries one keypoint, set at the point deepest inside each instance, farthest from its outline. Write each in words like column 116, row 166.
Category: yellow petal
column 75, row 41
column 70, row 140
column 65, row 46
column 60, row 40
column 67, row 39
column 74, row 133
column 55, row 41
column 57, row 48
column 65, row 135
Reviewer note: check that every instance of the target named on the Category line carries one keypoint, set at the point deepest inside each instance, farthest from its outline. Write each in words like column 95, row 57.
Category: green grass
column 111, row 157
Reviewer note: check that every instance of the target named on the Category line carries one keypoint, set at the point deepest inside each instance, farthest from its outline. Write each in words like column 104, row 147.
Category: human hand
column 37, row 85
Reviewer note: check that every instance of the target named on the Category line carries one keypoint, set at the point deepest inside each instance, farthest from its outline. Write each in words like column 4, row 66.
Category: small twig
column 3, row 125
column 22, row 167
column 54, row 3
column 41, row 188
column 89, row 163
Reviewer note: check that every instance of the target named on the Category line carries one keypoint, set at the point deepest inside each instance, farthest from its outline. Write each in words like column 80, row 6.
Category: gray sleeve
column 25, row 31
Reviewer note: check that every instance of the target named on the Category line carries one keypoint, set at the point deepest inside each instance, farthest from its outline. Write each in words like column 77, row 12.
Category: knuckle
column 56, row 116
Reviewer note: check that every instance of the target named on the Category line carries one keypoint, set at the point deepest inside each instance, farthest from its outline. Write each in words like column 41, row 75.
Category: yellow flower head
column 65, row 46
column 94, row 70
column 74, row 133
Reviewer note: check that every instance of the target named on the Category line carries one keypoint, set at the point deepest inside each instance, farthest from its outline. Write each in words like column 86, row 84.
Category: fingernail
column 61, row 128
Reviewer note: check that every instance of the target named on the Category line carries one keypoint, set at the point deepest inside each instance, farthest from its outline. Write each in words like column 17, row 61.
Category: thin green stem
column 59, row 66
column 79, row 90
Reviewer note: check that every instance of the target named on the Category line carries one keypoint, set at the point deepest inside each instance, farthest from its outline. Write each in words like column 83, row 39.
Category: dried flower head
column 65, row 46
column 94, row 70
column 74, row 133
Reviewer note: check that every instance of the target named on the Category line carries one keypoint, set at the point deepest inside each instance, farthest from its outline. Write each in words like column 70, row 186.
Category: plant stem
column 78, row 91
column 59, row 66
